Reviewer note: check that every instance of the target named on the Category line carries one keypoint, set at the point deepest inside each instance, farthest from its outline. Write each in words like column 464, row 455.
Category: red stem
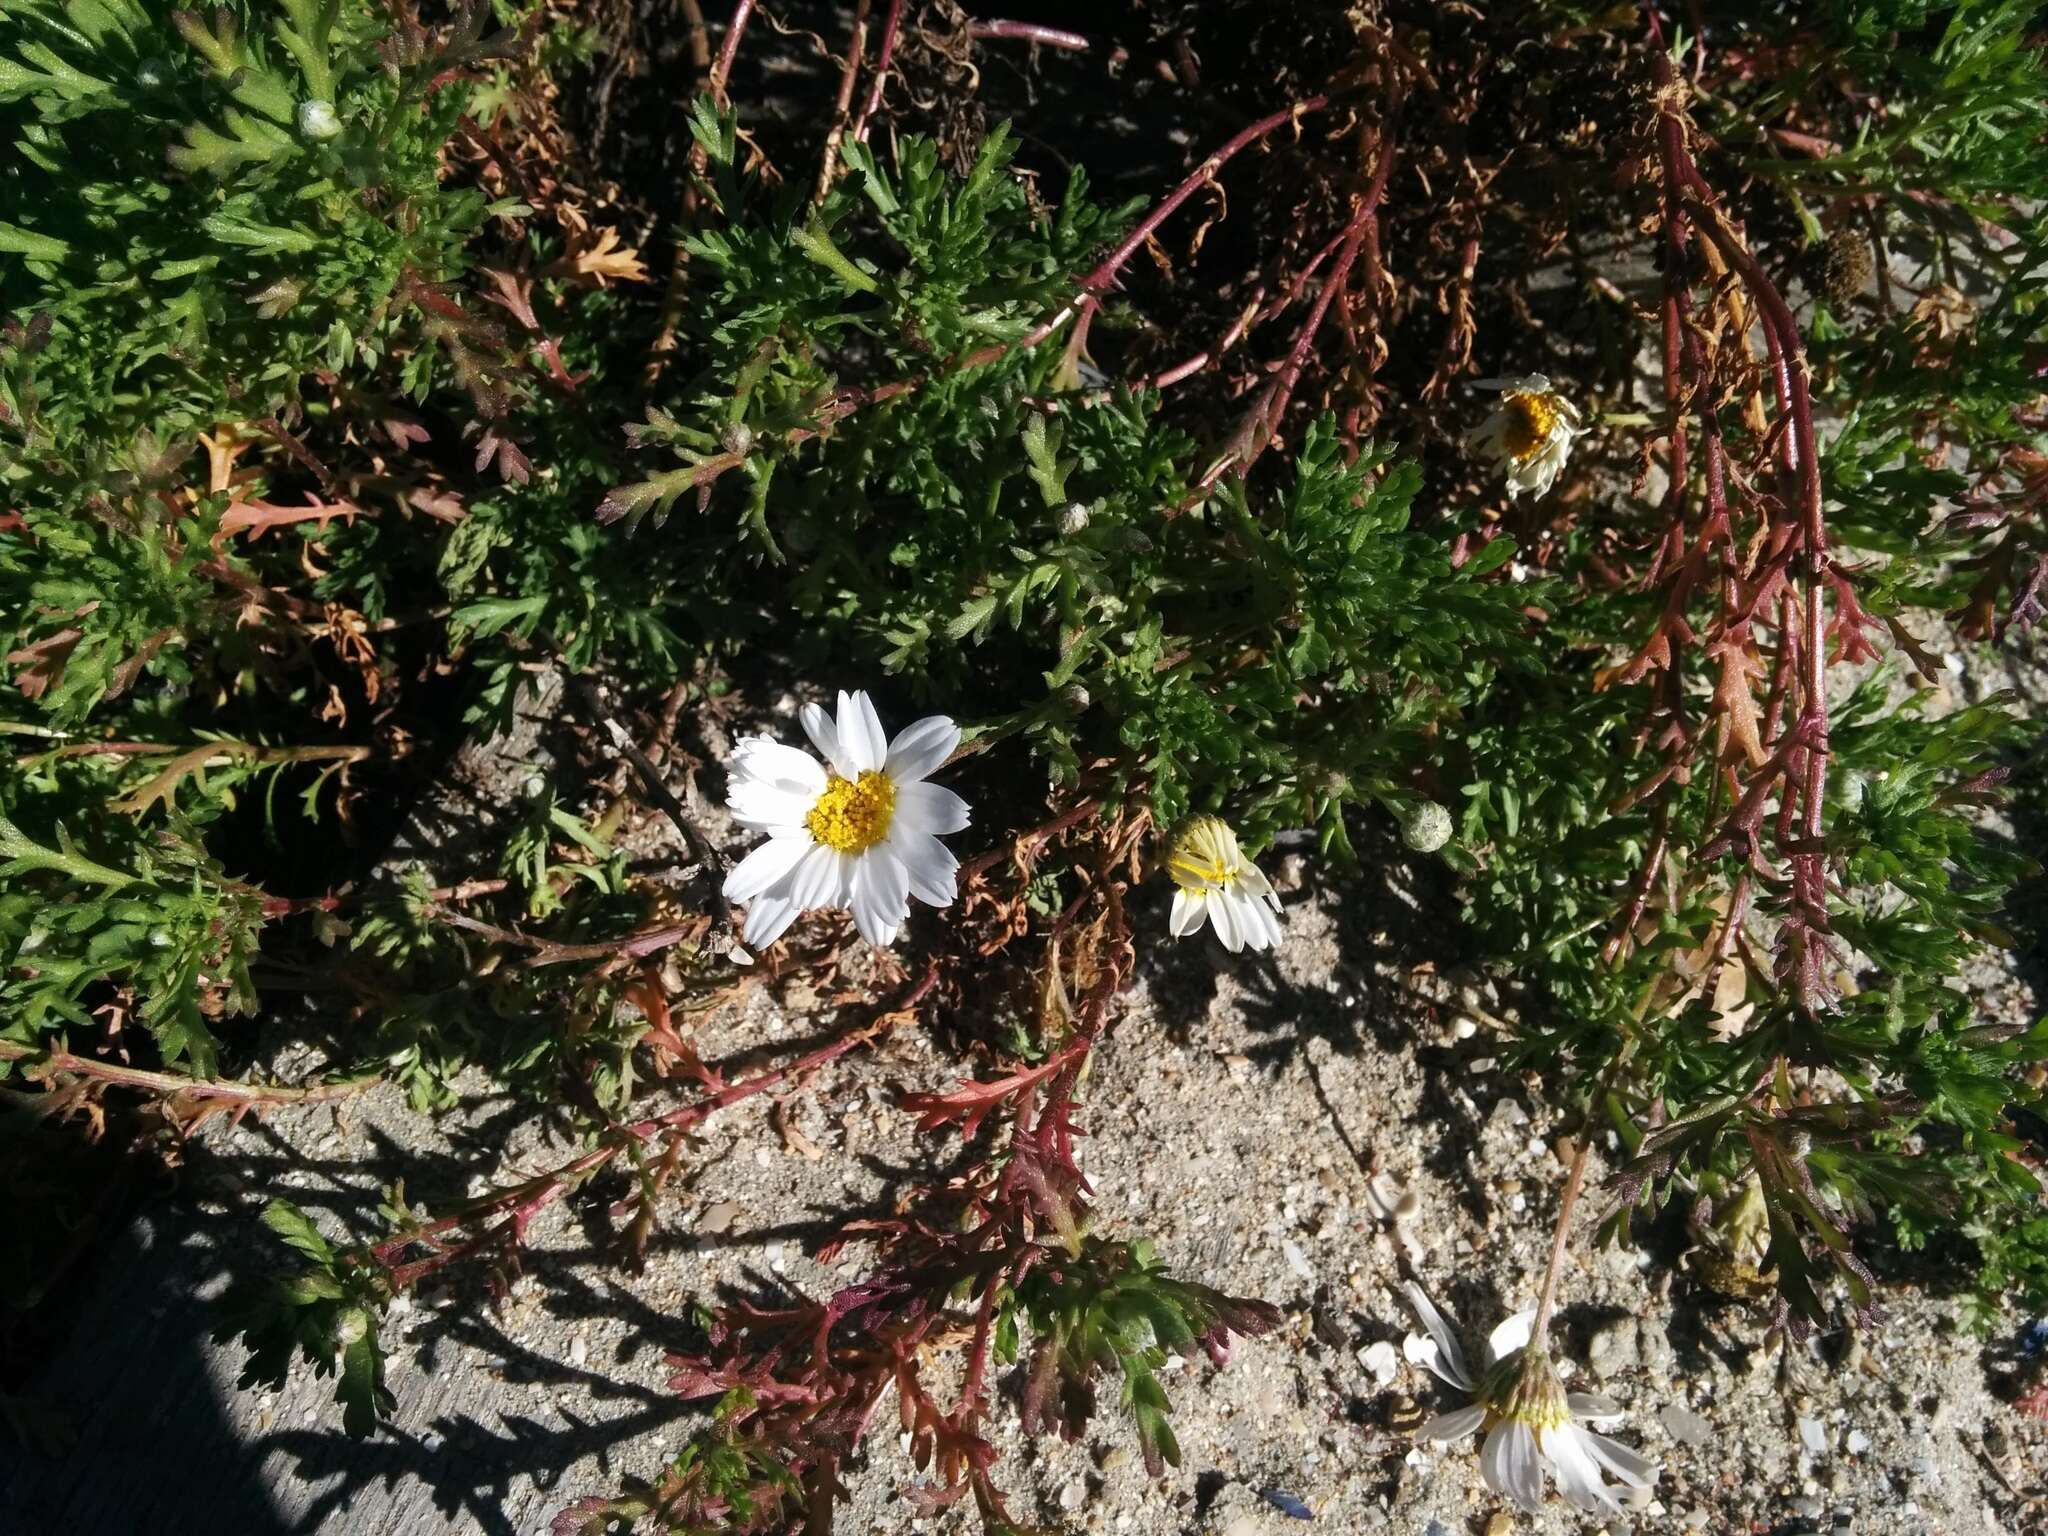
column 1105, row 274
column 892, row 25
column 1361, row 225
column 1030, row 32
column 728, row 50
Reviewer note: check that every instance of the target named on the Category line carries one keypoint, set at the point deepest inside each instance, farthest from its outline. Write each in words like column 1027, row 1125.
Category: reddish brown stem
column 828, row 165
column 1030, row 32
column 1024, row 842
column 172, row 1085
column 892, row 26
column 729, row 50
column 1099, row 280
column 1271, row 412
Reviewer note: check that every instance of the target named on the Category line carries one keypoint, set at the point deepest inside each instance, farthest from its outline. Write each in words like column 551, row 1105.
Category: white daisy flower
column 1531, row 431
column 1219, row 885
column 860, row 830
column 1530, row 1421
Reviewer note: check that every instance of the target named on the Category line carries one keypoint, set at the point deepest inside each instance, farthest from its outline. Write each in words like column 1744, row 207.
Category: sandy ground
column 1257, row 1117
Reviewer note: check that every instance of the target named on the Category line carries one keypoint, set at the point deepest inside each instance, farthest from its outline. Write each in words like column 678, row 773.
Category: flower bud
column 317, row 120
column 1076, row 698
column 351, row 1326
column 152, row 74
column 1425, row 826
column 738, row 438
column 1074, row 519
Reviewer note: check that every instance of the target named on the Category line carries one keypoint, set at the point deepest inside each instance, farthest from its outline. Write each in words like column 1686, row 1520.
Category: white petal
column 763, row 807
column 768, row 919
column 1637, row 1471
column 1455, row 1425
column 1189, row 912
column 1255, row 884
column 1223, row 916
column 764, row 760
column 1521, row 1466
column 765, row 868
column 1490, row 434
column 1594, row 1408
column 1448, row 1360
column 860, row 734
column 929, row 863
column 1262, row 922
column 1578, row 1478
column 881, row 895
column 1255, row 920
column 1511, row 1335
column 820, row 879
column 1493, row 1459
column 825, row 737
column 930, row 808
column 920, row 747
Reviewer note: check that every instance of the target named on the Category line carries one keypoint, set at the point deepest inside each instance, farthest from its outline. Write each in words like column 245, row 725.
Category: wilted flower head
column 1425, row 826
column 1219, row 885
column 862, row 833
column 1530, row 1421
column 317, row 120
column 1531, row 431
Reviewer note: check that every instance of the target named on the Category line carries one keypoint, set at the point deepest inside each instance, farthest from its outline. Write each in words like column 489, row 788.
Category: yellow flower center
column 1531, row 420
column 1204, row 856
column 853, row 814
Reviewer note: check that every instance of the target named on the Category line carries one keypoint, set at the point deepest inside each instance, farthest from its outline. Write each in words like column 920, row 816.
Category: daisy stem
column 1539, row 1335
column 1575, row 1181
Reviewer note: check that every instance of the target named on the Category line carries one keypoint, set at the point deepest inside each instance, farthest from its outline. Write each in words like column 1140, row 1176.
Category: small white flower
column 1530, row 1421
column 1531, row 431
column 1219, row 885
column 862, row 833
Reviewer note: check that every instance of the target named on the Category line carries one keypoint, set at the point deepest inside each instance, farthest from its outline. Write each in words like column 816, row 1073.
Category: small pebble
column 1857, row 1443
column 1380, row 1360
column 1288, row 1504
column 1813, row 1437
column 1683, row 1425
column 718, row 1217
column 1614, row 1349
column 1296, row 1259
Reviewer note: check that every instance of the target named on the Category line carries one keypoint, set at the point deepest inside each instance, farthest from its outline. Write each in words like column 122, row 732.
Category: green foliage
column 1111, row 1308
column 306, row 231
column 962, row 512
column 157, row 287
column 326, row 1311
column 156, row 920
column 719, row 1485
